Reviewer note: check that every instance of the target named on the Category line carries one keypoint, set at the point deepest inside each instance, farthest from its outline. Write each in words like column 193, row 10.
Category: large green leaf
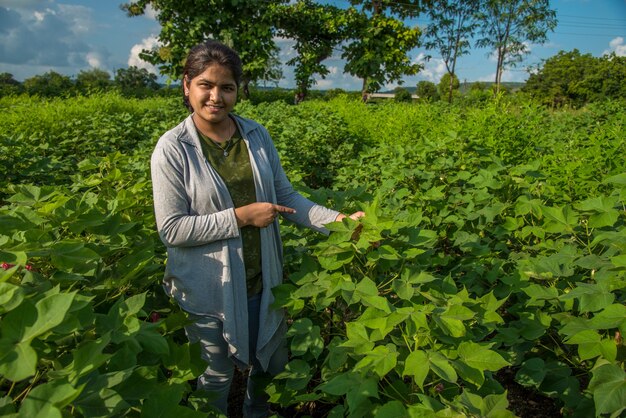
column 591, row 344
column 531, row 373
column 297, row 374
column 451, row 320
column 306, row 337
column 593, row 297
column 560, row 219
column 86, row 358
column 17, row 360
column 440, row 364
column 481, row 357
column 613, row 316
column 48, row 399
column 392, row 409
column 10, row 297
column 608, row 384
column 416, row 365
column 358, row 338
column 382, row 359
column 603, row 212
column 164, row 403
column 51, row 311
column 74, row 257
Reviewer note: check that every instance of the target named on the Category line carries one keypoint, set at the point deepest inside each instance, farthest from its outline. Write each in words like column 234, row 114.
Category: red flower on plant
column 6, row 266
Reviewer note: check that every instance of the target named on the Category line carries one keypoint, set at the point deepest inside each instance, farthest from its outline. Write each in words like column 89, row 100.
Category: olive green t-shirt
column 231, row 161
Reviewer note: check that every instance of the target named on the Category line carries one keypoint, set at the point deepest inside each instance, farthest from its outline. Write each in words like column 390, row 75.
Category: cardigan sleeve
column 176, row 224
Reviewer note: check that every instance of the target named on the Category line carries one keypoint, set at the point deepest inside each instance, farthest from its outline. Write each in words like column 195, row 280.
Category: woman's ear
column 186, row 85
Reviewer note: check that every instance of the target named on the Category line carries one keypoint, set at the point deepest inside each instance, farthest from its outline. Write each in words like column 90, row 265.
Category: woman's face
column 212, row 94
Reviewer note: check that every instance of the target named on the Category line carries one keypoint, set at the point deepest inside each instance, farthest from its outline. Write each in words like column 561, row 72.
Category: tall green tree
column 316, row 29
column 9, row 85
column 134, row 81
column 94, row 79
column 453, row 23
column 379, row 42
column 449, row 82
column 245, row 26
column 575, row 79
column 427, row 90
column 506, row 26
column 50, row 84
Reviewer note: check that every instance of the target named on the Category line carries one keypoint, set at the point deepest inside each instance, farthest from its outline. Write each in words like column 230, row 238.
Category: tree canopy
column 134, row 81
column 93, row 80
column 374, row 40
column 317, row 30
column 506, row 26
column 575, row 79
column 9, row 85
column 245, row 26
column 50, row 84
column 453, row 25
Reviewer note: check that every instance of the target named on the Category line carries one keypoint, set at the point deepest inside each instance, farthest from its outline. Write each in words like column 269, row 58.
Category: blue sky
column 68, row 36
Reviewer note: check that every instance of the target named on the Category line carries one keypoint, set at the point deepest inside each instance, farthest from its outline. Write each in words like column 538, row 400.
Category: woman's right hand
column 259, row 214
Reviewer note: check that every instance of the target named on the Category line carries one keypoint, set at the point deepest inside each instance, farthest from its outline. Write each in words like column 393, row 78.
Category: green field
column 493, row 253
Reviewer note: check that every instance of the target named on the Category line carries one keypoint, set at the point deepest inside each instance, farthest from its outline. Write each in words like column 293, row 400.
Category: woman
column 218, row 190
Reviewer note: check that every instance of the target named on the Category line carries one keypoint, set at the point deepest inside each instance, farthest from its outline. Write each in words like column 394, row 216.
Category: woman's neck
column 218, row 132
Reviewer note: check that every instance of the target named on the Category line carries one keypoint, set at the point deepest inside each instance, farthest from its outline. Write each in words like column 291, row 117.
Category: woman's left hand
column 354, row 216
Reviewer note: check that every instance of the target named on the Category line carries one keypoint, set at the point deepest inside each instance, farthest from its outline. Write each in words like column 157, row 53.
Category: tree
column 402, row 95
column 317, row 30
column 379, row 46
column 448, row 83
column 427, row 90
column 245, row 26
column 50, row 84
column 134, row 81
column 93, row 80
column 272, row 73
column 576, row 79
column 507, row 24
column 453, row 24
column 9, row 85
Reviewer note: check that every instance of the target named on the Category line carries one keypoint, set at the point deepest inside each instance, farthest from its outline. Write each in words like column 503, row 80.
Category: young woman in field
column 219, row 188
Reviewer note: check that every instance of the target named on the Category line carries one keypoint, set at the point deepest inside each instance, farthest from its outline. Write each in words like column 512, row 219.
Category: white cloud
column 21, row 4
column 507, row 75
column 94, row 60
column 616, row 45
column 433, row 70
column 150, row 13
column 324, row 84
column 286, row 48
column 39, row 16
column 43, row 37
column 338, row 79
column 78, row 18
column 134, row 60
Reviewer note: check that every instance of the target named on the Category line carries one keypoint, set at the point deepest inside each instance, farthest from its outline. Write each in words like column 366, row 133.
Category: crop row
column 494, row 243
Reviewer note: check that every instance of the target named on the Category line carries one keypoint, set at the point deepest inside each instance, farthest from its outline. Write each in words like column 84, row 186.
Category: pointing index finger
column 284, row 209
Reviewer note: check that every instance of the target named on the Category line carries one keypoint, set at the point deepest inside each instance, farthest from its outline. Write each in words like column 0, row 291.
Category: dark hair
column 204, row 55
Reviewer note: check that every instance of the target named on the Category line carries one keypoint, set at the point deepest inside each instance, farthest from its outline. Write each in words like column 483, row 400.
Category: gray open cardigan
column 196, row 221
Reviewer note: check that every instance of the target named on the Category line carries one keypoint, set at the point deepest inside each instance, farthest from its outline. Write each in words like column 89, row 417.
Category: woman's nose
column 215, row 93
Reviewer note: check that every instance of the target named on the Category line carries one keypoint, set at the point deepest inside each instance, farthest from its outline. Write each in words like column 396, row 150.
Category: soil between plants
column 524, row 402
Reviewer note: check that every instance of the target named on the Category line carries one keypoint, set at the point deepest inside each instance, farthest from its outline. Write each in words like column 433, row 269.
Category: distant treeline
column 566, row 79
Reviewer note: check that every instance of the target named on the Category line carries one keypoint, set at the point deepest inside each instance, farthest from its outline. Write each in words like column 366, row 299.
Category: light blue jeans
column 218, row 376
